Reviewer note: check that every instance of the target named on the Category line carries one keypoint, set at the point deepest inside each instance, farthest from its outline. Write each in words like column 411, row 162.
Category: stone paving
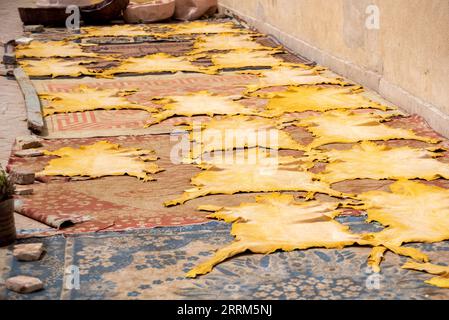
column 12, row 106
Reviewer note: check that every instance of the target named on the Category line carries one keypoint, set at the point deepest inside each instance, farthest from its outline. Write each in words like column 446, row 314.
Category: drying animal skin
column 227, row 42
column 85, row 98
column 411, row 212
column 159, row 62
column 278, row 222
column 289, row 76
column 49, row 49
column 202, row 27
column 348, row 127
column 102, row 159
column 441, row 281
column 236, row 132
column 310, row 98
column 244, row 59
column 268, row 174
column 266, row 159
column 371, row 161
column 199, row 103
column 115, row 31
column 56, row 68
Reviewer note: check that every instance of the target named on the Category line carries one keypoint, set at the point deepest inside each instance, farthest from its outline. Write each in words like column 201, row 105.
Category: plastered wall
column 403, row 55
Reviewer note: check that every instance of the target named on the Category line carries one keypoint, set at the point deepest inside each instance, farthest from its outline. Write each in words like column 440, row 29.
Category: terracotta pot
column 188, row 10
column 152, row 11
column 65, row 3
column 7, row 226
column 104, row 11
column 45, row 16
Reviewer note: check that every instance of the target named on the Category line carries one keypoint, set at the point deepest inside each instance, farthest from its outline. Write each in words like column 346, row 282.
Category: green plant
column 6, row 186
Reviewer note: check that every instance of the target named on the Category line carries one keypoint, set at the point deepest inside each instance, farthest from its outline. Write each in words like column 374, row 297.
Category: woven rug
column 120, row 122
column 151, row 264
column 77, row 205
column 80, row 205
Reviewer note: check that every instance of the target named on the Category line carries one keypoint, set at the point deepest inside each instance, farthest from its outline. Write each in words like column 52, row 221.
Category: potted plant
column 7, row 227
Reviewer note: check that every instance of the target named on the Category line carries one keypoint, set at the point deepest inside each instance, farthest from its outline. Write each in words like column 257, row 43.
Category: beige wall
column 406, row 60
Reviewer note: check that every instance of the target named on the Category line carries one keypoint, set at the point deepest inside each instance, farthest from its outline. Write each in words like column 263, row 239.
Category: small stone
column 29, row 153
column 76, row 30
column 23, row 177
column 28, row 251
column 33, row 28
column 23, row 40
column 23, row 191
column 28, row 142
column 24, row 284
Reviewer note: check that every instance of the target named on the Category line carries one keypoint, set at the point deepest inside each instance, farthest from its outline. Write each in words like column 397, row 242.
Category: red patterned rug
column 77, row 205
column 121, row 122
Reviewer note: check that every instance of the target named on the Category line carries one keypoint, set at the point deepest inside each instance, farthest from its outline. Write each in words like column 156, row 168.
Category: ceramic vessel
column 7, row 226
column 150, row 11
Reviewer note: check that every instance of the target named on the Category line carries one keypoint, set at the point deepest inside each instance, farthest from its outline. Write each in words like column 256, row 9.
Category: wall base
column 438, row 120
